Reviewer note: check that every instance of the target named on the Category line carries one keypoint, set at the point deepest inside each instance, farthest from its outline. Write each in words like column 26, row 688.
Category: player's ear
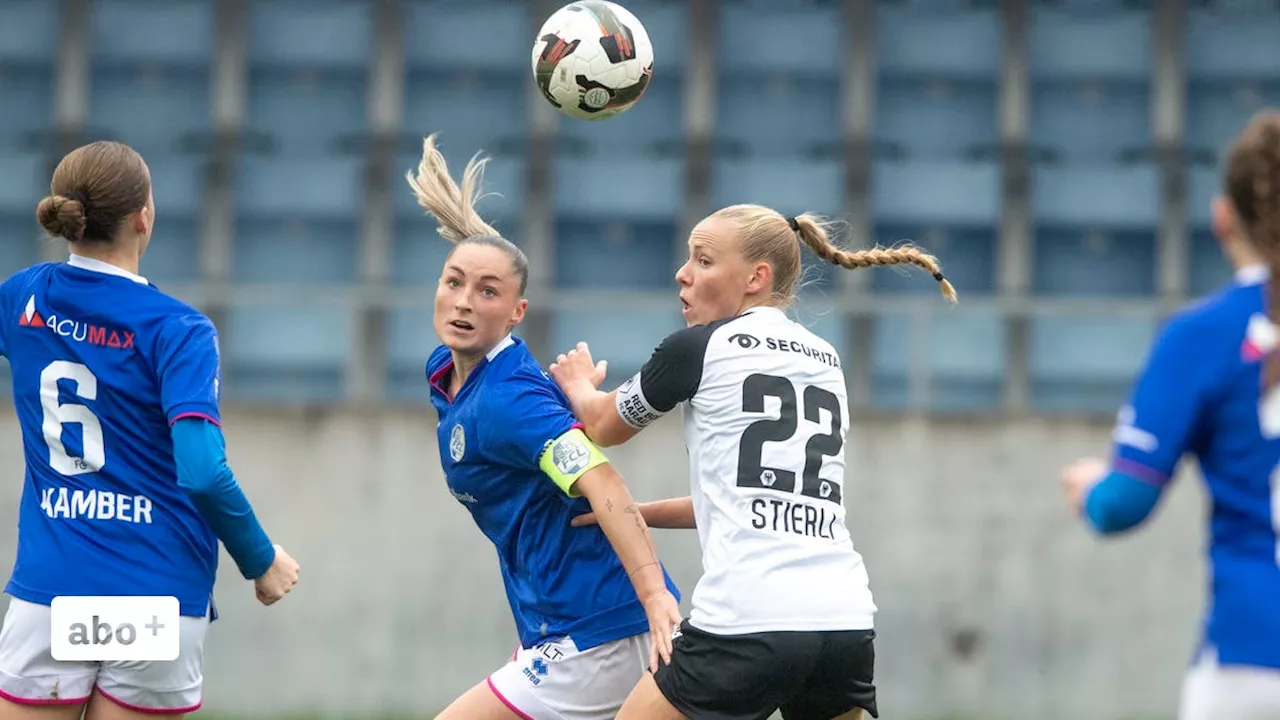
column 1223, row 216
column 760, row 279
column 517, row 315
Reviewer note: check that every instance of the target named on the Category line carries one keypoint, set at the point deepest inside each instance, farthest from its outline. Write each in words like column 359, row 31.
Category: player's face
column 714, row 280
column 478, row 299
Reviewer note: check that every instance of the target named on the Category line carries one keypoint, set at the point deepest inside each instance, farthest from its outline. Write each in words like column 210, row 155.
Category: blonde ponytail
column 813, row 234
column 451, row 205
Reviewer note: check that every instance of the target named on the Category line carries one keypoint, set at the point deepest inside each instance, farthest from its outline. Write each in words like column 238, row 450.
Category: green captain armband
column 568, row 458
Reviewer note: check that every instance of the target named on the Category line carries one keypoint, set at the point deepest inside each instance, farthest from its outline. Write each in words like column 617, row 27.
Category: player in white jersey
column 783, row 616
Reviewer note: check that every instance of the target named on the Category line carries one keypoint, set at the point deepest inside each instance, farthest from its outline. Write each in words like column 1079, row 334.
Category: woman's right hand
column 278, row 580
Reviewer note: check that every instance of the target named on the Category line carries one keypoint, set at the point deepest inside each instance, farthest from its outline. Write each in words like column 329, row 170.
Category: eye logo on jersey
column 570, row 456
column 744, row 341
column 74, row 329
column 457, row 443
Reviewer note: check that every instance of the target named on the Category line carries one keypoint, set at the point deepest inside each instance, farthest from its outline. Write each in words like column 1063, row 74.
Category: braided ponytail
column 815, row 237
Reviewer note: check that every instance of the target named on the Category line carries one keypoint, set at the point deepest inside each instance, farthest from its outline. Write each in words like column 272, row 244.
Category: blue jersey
column 1200, row 393
column 560, row 580
column 102, row 364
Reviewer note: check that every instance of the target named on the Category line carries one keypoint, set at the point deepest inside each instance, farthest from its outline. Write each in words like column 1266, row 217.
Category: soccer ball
column 592, row 59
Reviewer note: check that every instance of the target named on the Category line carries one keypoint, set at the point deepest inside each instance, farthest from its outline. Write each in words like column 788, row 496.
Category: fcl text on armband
column 62, row 503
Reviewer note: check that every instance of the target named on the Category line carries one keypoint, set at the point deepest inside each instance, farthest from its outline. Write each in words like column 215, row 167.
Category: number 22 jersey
column 766, row 413
column 103, row 363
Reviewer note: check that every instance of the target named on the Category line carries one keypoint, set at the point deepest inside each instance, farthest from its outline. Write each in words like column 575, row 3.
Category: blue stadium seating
column 779, row 114
column 286, row 353
column 789, row 185
column 757, row 37
column 308, row 112
column 967, row 254
column 23, row 181
column 174, row 33
column 624, row 337
column 930, row 118
column 442, row 35
column 28, row 54
column 943, row 43
column 152, row 108
column 298, row 219
column 653, row 126
column 1217, row 110
column 1086, row 362
column 1119, row 43
column 1208, row 268
column 329, row 34
column 409, row 341
column 177, row 183
column 963, row 351
column 471, row 111
column 1233, row 45
column 28, row 33
column 1090, row 122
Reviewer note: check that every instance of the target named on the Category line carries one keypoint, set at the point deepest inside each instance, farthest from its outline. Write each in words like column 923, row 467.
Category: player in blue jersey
column 1209, row 388
column 127, row 489
column 593, row 606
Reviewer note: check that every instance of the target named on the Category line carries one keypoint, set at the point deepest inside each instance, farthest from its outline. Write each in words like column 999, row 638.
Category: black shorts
column 806, row 675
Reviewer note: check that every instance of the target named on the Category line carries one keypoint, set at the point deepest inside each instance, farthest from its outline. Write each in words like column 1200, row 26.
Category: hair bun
column 62, row 217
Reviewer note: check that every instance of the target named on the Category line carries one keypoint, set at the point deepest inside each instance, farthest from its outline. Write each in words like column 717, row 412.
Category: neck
column 122, row 255
column 753, row 302
column 462, row 367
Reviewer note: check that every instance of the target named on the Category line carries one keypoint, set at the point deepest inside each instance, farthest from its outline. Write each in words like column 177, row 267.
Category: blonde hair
column 765, row 235
column 453, row 205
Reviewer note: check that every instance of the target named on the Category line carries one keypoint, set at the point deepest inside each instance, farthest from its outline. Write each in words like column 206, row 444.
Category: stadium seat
column 774, row 34
column 1218, row 110
column 933, row 42
column 472, row 111
column 655, row 124
column 1119, row 42
column 1084, row 263
column 28, row 34
column 441, row 35
column 28, row 106
column 24, row 179
column 779, row 114
column 298, row 220
column 591, row 187
column 936, row 118
column 173, row 33
column 149, row 107
column 1085, row 121
column 616, row 254
column 963, row 353
column 286, row 353
column 331, row 34
column 410, row 339
column 1086, row 363
column 308, row 113
column 967, row 254
column 325, row 188
column 1111, row 196
column 789, row 185
column 1208, row 267
column 937, row 192
column 1236, row 46
column 626, row 337
column 23, row 237
column 297, row 250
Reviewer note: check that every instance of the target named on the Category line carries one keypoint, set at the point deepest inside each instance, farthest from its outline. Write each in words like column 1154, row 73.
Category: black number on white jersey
column 751, row 473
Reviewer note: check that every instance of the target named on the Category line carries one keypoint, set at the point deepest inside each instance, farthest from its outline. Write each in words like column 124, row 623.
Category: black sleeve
column 669, row 377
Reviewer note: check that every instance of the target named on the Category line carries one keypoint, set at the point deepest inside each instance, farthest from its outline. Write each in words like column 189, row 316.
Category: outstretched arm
column 674, row 513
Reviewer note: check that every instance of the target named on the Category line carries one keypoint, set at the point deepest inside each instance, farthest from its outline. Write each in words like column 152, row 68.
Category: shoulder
column 689, row 346
column 517, row 381
column 438, row 359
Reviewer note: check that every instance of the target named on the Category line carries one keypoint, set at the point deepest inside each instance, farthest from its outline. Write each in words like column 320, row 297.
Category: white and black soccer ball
column 592, row 59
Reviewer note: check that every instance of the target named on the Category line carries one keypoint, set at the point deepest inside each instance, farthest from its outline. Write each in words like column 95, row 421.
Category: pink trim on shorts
column 34, row 702
column 507, row 702
column 145, row 710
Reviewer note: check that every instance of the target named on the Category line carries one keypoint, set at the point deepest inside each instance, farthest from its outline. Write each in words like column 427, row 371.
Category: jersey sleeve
column 1153, row 431
column 188, row 367
column 529, row 426
column 669, row 377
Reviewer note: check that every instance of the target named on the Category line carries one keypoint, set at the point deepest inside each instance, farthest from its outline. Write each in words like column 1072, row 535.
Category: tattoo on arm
column 608, row 505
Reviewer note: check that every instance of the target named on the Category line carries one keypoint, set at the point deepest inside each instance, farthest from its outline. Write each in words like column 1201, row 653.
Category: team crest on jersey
column 457, row 443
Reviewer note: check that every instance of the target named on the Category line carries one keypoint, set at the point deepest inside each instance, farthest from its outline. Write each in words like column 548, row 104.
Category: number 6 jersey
column 103, row 363
column 765, row 421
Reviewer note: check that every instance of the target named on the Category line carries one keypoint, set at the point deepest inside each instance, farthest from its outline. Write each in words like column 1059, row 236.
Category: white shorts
column 1215, row 692
column 555, row 681
column 30, row 676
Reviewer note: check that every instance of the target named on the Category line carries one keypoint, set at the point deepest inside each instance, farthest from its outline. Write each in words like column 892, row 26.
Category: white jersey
column 766, row 413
